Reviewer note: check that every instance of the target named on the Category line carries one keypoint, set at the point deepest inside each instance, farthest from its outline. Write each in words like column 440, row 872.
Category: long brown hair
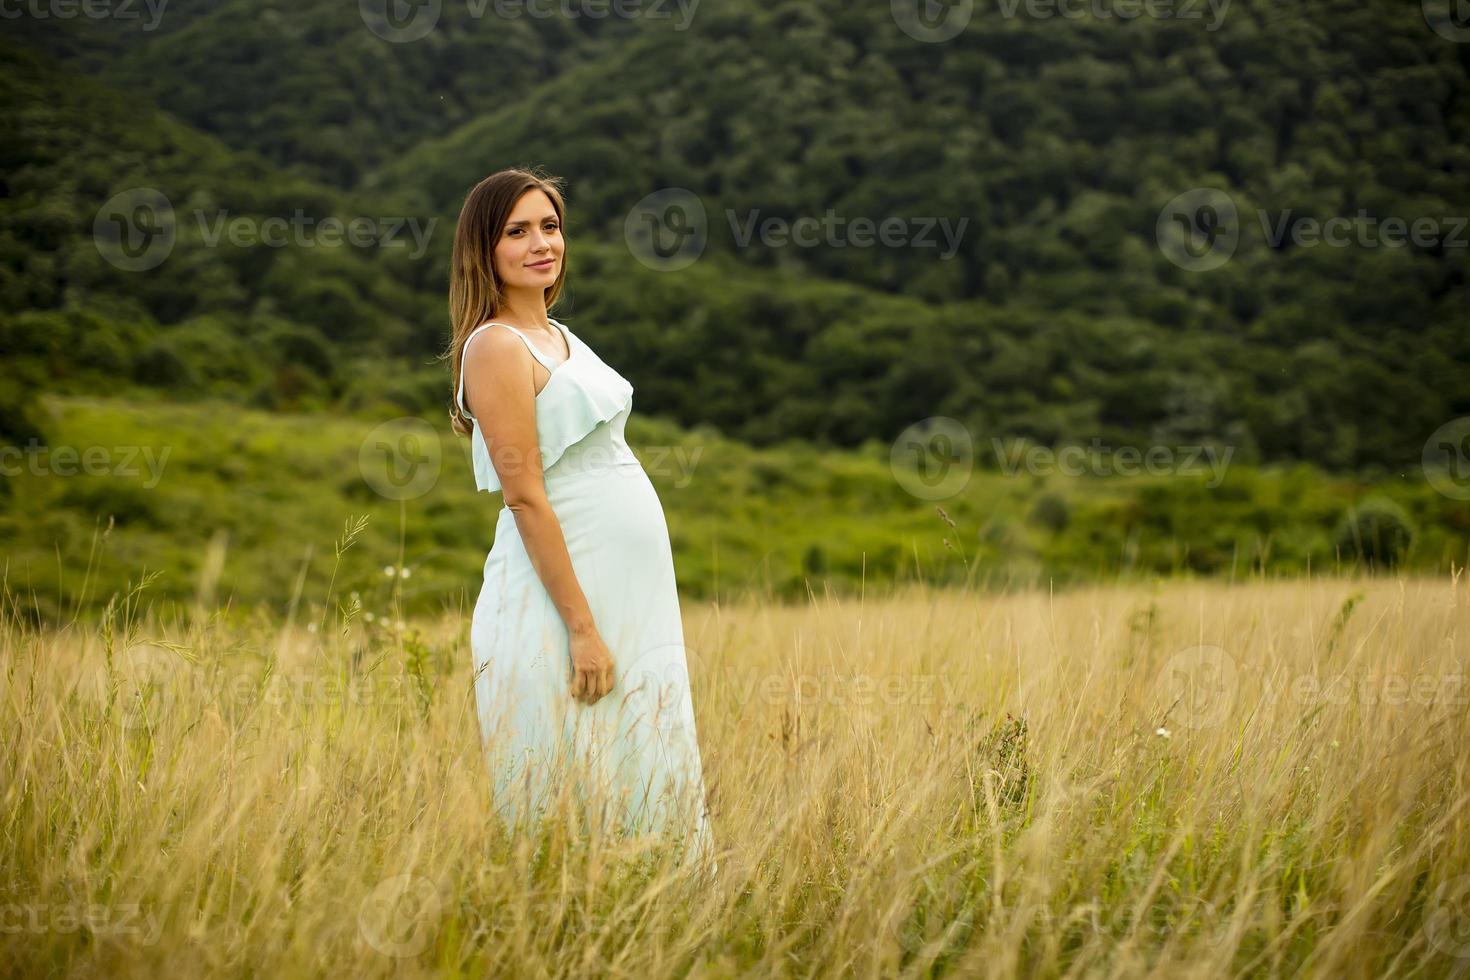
column 474, row 290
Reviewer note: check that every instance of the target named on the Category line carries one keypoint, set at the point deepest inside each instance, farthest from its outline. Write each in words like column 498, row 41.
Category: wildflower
column 1163, row 732
column 311, row 627
column 389, row 571
column 369, row 617
column 403, row 572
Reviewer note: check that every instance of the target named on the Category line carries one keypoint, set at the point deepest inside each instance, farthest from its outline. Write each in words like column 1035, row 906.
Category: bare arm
column 500, row 389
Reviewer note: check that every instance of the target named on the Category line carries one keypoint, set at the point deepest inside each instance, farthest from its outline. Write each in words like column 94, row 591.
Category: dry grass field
column 1193, row 779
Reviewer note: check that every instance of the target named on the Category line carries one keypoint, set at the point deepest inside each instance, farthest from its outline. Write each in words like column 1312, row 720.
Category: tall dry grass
column 1190, row 780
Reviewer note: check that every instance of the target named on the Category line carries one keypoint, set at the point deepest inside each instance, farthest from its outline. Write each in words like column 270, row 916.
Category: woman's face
column 529, row 253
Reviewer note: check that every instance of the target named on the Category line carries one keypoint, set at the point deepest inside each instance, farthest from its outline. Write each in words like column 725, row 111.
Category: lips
column 543, row 265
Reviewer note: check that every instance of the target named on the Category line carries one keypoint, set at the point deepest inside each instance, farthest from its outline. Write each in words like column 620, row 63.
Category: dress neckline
column 561, row 327
column 556, row 368
column 566, row 336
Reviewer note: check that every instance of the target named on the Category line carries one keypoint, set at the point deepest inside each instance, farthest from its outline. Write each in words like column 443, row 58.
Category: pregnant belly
column 608, row 516
column 618, row 541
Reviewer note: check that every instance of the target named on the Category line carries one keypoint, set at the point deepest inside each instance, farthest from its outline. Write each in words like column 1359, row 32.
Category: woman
column 578, row 642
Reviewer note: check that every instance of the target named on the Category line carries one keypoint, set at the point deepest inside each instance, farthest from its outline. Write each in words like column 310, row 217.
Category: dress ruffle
column 581, row 405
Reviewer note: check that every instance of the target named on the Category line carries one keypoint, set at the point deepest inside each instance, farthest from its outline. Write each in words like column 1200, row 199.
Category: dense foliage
column 1059, row 141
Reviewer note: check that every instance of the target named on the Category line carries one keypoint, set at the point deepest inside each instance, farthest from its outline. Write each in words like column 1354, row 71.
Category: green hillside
column 263, row 498
column 1059, row 142
column 142, row 303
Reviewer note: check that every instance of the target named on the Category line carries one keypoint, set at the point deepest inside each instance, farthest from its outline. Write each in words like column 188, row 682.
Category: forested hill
column 1072, row 307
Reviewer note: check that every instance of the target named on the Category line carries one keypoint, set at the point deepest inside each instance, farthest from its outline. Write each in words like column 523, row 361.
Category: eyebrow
column 517, row 224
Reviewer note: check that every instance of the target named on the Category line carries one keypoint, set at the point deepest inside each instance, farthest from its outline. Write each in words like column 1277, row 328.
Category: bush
column 127, row 503
column 1377, row 531
column 18, row 410
column 160, row 366
column 1051, row 512
column 101, row 349
column 304, row 347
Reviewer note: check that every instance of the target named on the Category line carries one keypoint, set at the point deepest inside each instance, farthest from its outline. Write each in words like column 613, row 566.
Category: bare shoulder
column 497, row 370
column 494, row 346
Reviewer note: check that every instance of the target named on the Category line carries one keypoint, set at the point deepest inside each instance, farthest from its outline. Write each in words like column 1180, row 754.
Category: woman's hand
column 592, row 667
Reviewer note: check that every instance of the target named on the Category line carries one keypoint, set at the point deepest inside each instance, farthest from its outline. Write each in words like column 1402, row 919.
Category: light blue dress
column 633, row 757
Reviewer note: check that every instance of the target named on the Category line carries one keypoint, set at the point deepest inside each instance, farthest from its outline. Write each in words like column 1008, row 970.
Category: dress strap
column 535, row 351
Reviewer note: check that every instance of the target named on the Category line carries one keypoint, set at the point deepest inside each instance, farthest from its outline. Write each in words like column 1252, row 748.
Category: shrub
column 303, row 347
column 1376, row 531
column 1051, row 512
column 18, row 425
column 160, row 366
column 814, row 562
